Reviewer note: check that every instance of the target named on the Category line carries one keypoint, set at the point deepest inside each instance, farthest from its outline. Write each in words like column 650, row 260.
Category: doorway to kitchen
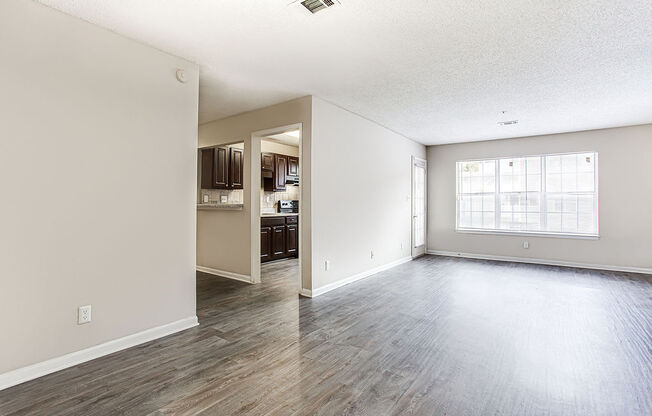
column 276, row 234
column 419, row 169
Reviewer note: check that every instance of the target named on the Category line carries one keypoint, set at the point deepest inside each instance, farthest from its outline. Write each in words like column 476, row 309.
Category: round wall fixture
column 181, row 76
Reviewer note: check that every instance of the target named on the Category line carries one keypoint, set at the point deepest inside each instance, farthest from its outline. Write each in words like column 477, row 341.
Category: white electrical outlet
column 327, row 265
column 205, row 199
column 224, row 199
column 84, row 315
column 526, row 245
column 372, row 254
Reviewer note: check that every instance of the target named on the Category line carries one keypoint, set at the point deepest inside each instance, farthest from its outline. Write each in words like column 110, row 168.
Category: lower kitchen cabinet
column 279, row 238
column 265, row 244
column 292, row 238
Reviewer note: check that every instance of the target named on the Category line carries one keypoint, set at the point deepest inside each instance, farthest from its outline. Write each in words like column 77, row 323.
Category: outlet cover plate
column 84, row 315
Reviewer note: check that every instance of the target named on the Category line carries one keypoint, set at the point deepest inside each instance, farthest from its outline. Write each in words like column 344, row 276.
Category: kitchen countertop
column 223, row 207
column 280, row 214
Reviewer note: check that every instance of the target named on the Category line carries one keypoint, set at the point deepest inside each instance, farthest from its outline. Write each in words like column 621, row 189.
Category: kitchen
column 224, row 195
column 279, row 198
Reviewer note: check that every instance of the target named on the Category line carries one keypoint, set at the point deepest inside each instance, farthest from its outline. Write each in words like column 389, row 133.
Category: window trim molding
column 527, row 233
column 554, row 234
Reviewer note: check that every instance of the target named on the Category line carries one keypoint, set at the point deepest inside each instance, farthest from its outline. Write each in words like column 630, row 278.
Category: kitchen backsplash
column 291, row 193
column 233, row 196
column 237, row 196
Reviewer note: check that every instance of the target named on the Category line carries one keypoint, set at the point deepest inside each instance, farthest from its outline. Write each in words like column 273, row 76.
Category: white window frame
column 555, row 234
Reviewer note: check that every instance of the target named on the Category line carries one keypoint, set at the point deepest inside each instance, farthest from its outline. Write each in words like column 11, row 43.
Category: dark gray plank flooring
column 436, row 336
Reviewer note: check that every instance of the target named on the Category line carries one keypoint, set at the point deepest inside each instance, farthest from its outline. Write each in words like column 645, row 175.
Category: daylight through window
column 548, row 194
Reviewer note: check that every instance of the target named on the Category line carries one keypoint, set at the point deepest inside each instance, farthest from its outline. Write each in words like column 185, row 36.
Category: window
column 548, row 194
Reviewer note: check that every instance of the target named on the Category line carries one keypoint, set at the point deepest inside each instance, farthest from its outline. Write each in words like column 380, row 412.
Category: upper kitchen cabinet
column 267, row 161
column 292, row 170
column 236, row 168
column 281, row 162
column 222, row 167
column 274, row 171
column 278, row 170
column 207, row 167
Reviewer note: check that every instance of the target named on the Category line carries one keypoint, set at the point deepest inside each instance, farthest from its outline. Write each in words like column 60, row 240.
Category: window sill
column 528, row 234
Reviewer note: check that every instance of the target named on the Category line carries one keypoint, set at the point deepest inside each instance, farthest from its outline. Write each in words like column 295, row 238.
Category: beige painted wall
column 224, row 237
column 280, row 148
column 625, row 192
column 97, row 171
column 361, row 177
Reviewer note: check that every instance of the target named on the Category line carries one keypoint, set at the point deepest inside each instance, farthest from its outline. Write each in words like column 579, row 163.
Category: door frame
column 413, row 250
column 256, row 167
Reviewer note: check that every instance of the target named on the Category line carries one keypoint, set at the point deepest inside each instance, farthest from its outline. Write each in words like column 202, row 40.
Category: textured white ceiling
column 433, row 70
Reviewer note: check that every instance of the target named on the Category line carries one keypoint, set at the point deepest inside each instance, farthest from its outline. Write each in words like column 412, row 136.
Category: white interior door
column 418, row 207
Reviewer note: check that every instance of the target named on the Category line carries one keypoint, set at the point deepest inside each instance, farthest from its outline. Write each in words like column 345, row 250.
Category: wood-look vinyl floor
column 436, row 336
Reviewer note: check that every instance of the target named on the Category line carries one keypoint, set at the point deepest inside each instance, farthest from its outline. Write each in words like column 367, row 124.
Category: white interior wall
column 97, row 171
column 361, row 178
column 625, row 199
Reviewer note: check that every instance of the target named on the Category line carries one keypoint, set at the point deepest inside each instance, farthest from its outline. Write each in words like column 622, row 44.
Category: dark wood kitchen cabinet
column 265, row 244
column 207, row 166
column 222, row 167
column 279, row 238
column 267, row 161
column 292, row 239
column 293, row 168
column 279, row 235
column 280, row 168
column 274, row 178
column 236, row 168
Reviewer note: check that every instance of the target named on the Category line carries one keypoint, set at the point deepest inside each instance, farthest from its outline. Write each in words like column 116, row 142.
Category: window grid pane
column 548, row 193
column 476, row 201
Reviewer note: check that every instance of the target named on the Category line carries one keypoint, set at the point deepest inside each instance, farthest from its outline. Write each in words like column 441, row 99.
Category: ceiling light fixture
column 508, row 123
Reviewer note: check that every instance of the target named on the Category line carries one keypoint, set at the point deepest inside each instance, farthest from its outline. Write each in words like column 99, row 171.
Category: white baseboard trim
column 542, row 261
column 21, row 375
column 223, row 273
column 356, row 277
column 305, row 292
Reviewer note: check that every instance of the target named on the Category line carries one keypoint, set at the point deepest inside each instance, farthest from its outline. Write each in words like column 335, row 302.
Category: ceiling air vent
column 316, row 5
